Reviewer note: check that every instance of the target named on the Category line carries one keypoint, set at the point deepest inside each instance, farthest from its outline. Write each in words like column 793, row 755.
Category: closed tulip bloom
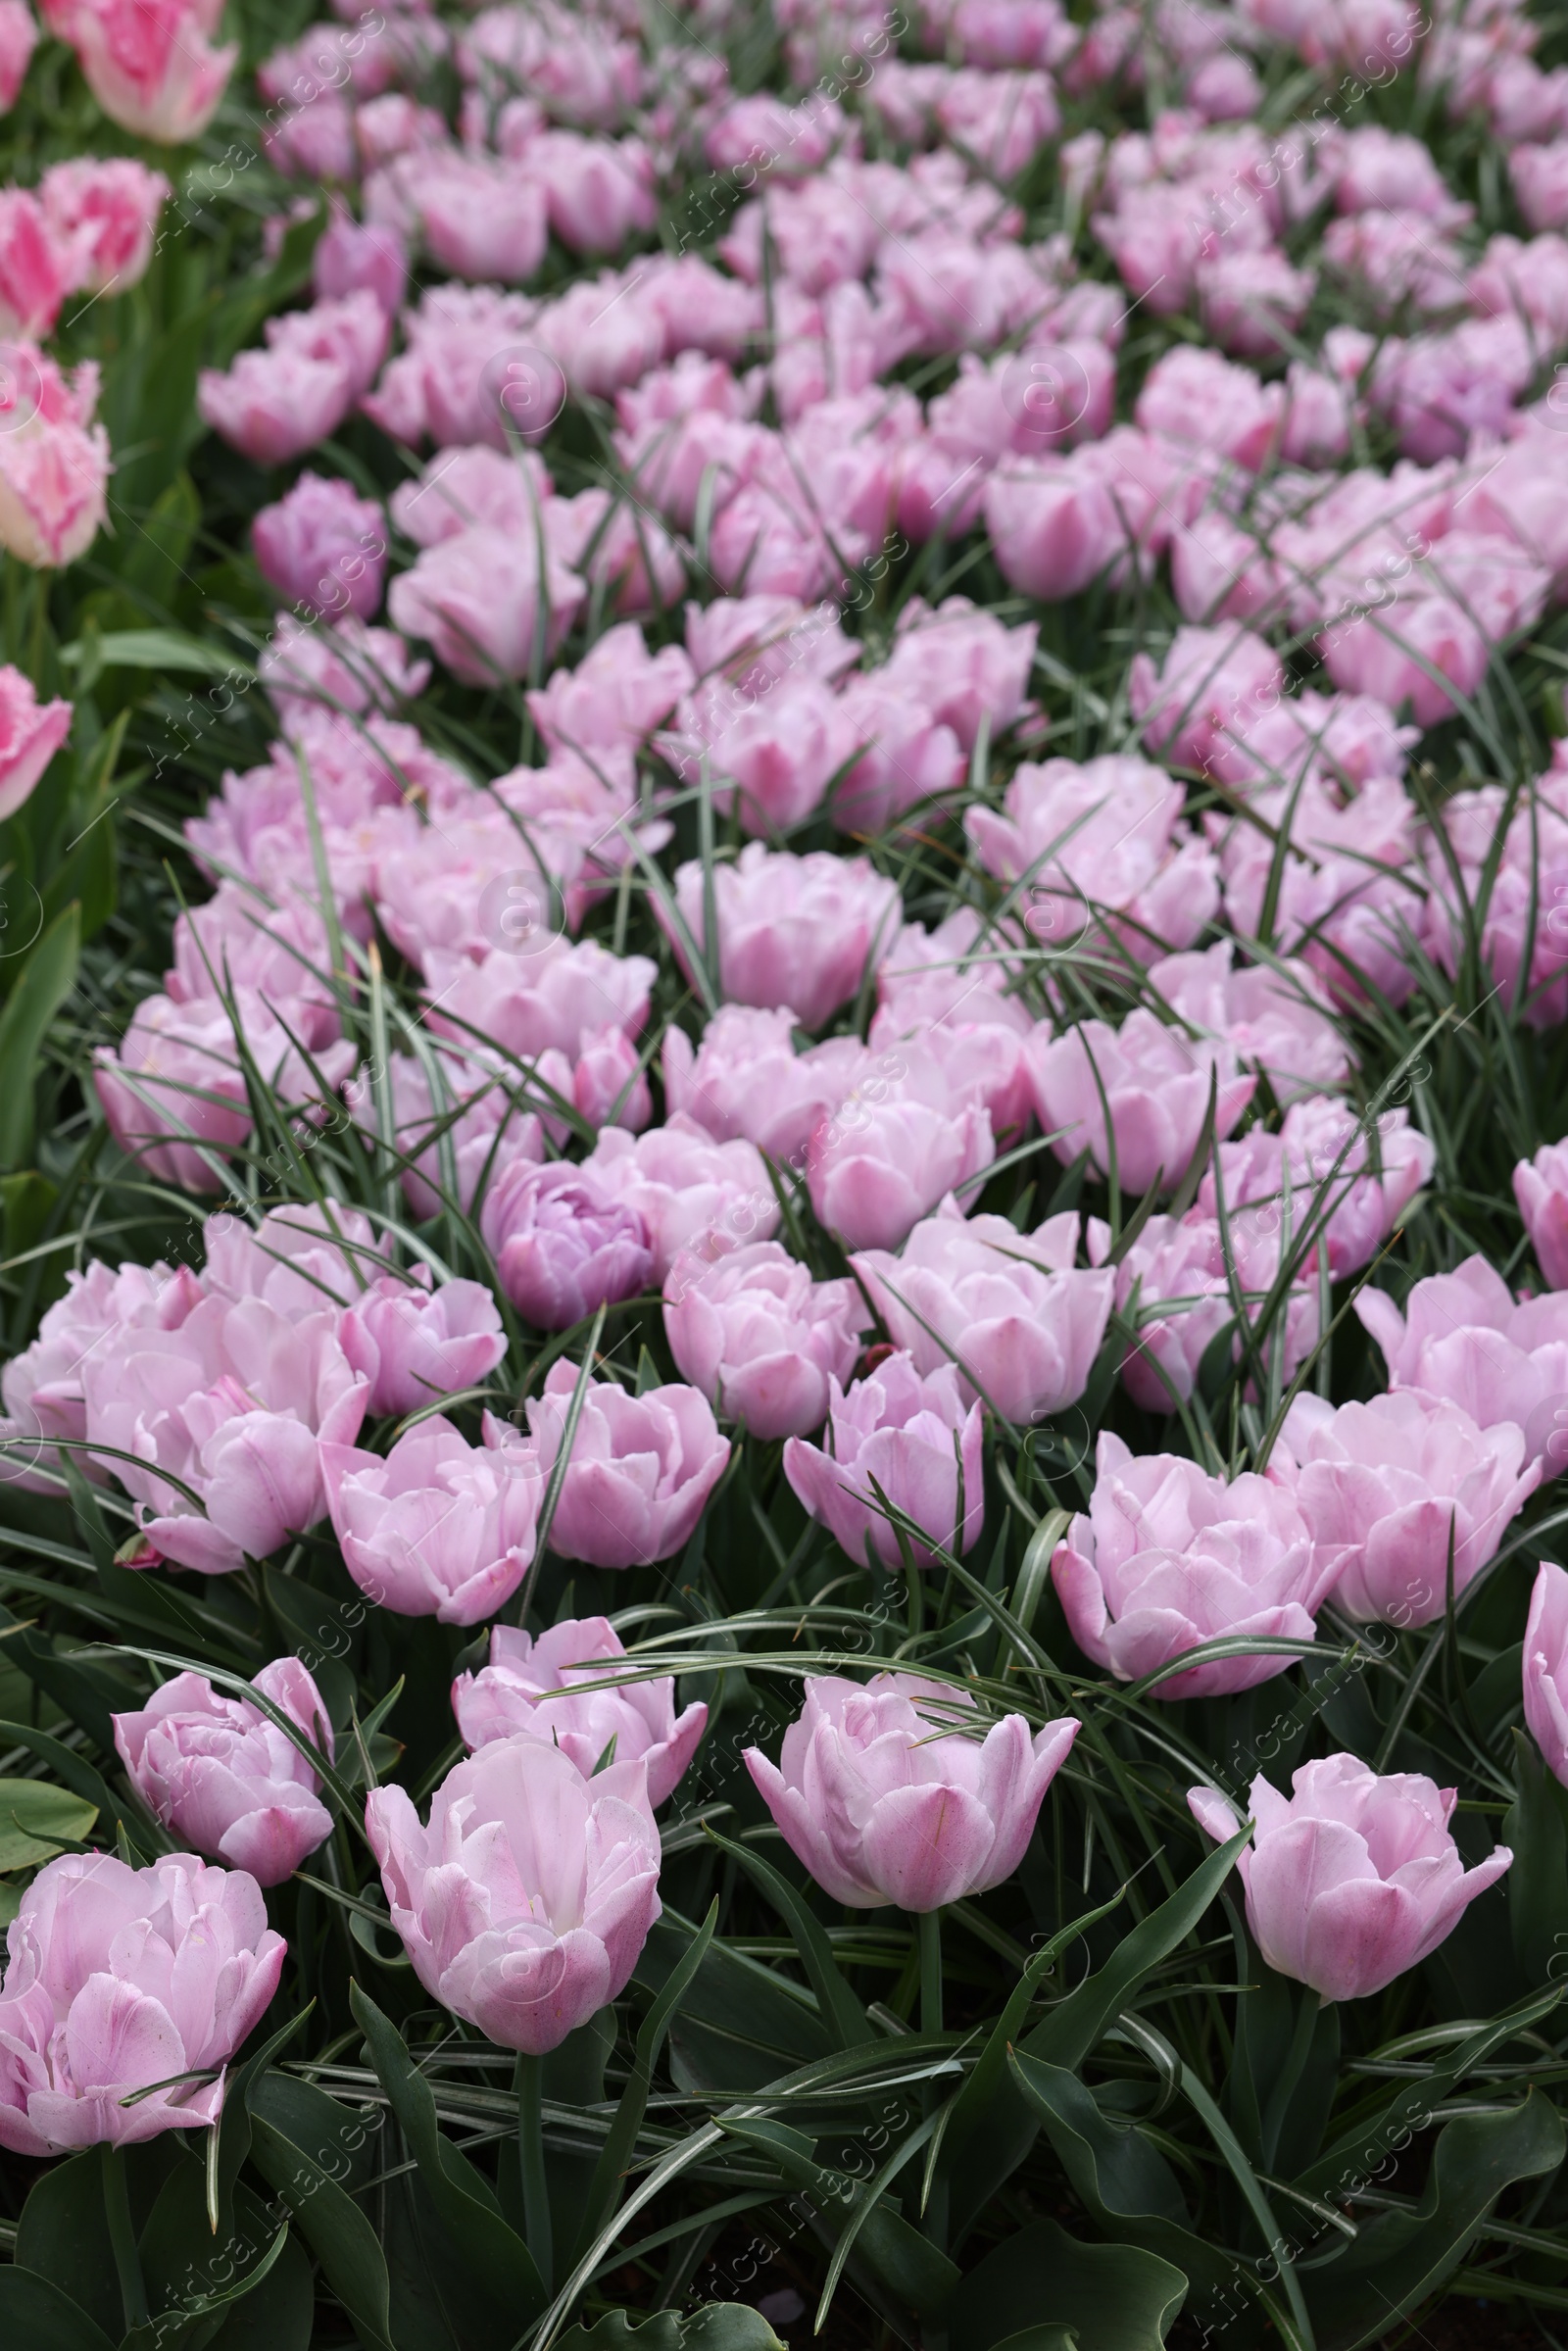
column 1157, row 1083
column 1404, row 1483
column 1053, row 523
column 30, row 733
column 222, row 1775
column 324, row 547
column 37, row 265
column 1170, row 1558
column 1546, row 1667
column 561, row 1243
column 1322, row 1172
column 525, row 1901
column 887, row 1793
column 1353, row 1879
column 914, row 1439
column 54, row 459
column 1541, row 1187
column 439, row 1528
column 962, row 666
column 275, row 405
column 414, row 1342
column 122, row 1978
column 746, row 1078
column 758, row 1337
column 1214, row 686
column 351, row 258
column 1178, row 1282
column 1007, row 1307
column 555, row 1688
column 106, row 208
column 480, row 598
column 903, row 1137
column 481, row 218
column 640, row 1472
column 150, row 64
column 19, row 38
column 795, row 931
column 1464, row 1336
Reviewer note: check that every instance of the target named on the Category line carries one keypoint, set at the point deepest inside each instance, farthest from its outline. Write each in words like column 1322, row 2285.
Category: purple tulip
column 1353, row 1879
column 439, row 1528
column 1022, row 1325
column 911, row 1438
column 414, row 1343
column 223, row 1776
column 642, row 1468
column 120, row 1978
column 887, row 1794
column 561, row 1243
column 549, row 1688
column 324, row 548
column 1403, row 1482
column 1546, row 1676
column 526, row 1902
column 1168, row 1559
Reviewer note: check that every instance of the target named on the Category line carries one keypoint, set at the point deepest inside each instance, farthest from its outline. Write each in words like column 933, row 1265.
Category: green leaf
column 292, row 2141
column 37, row 2314
column 838, row 2005
column 715, row 2327
column 196, row 2280
column 1398, row 2258
column 64, row 2234
column 158, row 648
column 45, row 980
column 37, row 1820
column 499, row 2263
column 739, row 2026
column 908, row 2263
column 604, row 2192
column 1537, row 1830
column 1113, row 2297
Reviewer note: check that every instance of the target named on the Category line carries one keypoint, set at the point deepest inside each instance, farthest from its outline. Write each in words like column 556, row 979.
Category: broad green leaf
column 37, row 1819
column 499, row 2263
column 1398, row 2258
column 37, row 2314
column 1114, row 2297
column 604, row 2192
column 715, row 2327
column 1537, row 1829
column 838, row 2005
column 37, row 991
column 738, row 2027
column 64, row 2234
column 197, row 2282
column 906, row 2261
column 336, row 2229
column 158, row 648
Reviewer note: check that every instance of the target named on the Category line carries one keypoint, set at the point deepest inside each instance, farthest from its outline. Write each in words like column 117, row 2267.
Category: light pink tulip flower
column 222, row 1775
column 555, row 1688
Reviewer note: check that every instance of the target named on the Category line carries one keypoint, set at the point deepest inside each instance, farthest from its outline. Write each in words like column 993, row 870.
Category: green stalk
column 936, row 2211
column 122, row 2238
column 528, row 2083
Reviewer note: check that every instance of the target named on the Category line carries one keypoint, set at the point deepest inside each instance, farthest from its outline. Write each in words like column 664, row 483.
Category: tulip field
column 783, row 1175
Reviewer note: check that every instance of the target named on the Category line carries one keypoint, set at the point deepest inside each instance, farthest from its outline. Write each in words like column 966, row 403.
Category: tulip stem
column 122, row 2236
column 1295, row 2064
column 528, row 2083
column 931, row 1971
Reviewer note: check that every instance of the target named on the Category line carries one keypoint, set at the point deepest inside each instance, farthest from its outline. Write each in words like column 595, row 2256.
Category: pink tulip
column 961, row 665
column 759, row 1337
column 309, row 1259
column 684, row 1187
column 351, row 258
column 1274, row 1015
column 236, row 1403
column 481, row 218
column 639, row 1473
column 1546, row 1667
column 275, row 405
column 1022, row 1327
column 883, row 1793
column 527, row 1004
column 1178, row 1282
column 19, row 38
column 1197, row 397
column 747, row 1079
column 1541, row 1187
column 439, row 1528
column 549, row 1690
column 1463, row 1337
column 414, row 1342
column 600, row 191
column 222, row 1775
column 1214, row 686
column 906, row 1135
column 42, row 1386
column 1105, row 834
column 1408, row 1483
column 37, row 265
column 1541, row 182
column 1156, row 1084
column 30, row 733
column 614, row 695
column 772, row 761
column 480, row 601
column 524, row 1903
column 800, row 931
column 1353, row 1879
column 1393, row 652
column 1169, row 1560
column 905, row 756
column 1323, row 1173
column 1054, row 525
column 323, row 546
column 150, row 64
column 913, row 1439
column 106, row 210
column 562, row 1243
column 54, row 459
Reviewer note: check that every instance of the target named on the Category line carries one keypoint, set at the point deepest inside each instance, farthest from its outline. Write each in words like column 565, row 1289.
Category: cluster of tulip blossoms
column 766, row 464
